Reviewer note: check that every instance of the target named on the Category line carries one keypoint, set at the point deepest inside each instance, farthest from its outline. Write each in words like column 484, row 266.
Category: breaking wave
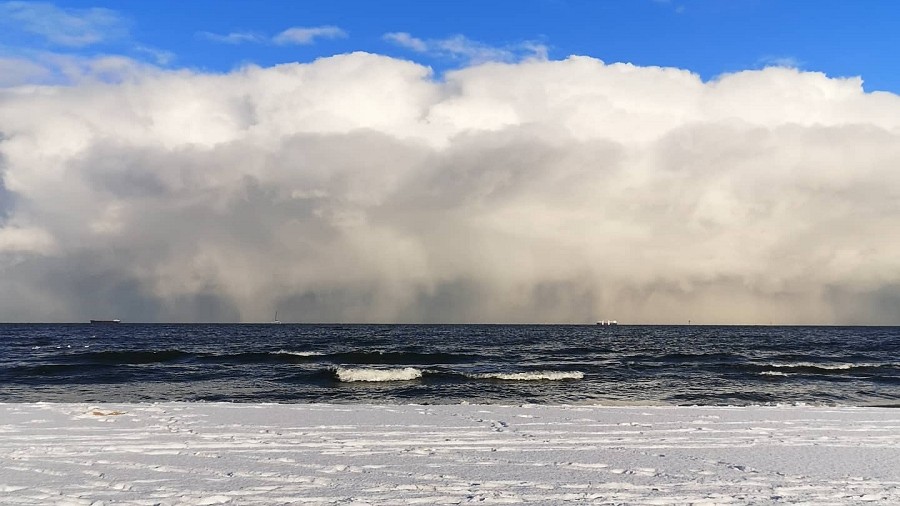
column 808, row 365
column 531, row 376
column 300, row 353
column 829, row 367
column 351, row 374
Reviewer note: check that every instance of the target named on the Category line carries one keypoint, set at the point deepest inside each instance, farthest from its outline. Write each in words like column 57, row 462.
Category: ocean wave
column 774, row 373
column 531, row 376
column 300, row 353
column 826, row 366
column 129, row 357
column 382, row 357
column 352, row 374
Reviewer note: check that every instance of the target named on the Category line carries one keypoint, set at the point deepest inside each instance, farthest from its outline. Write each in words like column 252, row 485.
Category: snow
column 199, row 453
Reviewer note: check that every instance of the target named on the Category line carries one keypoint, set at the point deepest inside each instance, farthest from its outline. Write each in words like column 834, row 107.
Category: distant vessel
column 106, row 321
column 275, row 321
column 608, row 323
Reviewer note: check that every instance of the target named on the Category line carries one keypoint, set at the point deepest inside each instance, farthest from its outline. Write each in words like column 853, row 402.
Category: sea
column 451, row 364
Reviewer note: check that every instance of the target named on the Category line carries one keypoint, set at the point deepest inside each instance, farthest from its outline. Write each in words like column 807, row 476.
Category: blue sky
column 709, row 37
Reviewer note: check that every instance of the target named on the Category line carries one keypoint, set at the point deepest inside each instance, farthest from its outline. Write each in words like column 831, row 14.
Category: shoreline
column 237, row 453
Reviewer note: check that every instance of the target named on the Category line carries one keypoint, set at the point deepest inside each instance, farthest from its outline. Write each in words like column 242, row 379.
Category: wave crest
column 531, row 376
column 351, row 374
column 300, row 353
column 830, row 366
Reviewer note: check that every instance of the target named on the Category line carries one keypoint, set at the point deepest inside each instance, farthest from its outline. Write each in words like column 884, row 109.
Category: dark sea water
column 510, row 364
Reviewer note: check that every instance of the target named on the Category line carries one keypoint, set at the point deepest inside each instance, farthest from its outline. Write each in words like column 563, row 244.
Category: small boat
column 276, row 321
column 608, row 323
column 105, row 321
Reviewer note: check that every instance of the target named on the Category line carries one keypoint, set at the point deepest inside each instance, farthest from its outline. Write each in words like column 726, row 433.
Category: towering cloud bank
column 360, row 188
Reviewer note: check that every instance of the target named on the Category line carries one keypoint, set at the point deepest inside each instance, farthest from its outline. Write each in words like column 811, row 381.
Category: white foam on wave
column 797, row 365
column 350, row 374
column 300, row 353
column 774, row 373
column 531, row 376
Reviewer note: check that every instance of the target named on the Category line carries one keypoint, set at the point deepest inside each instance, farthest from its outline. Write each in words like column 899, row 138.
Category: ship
column 95, row 322
column 608, row 323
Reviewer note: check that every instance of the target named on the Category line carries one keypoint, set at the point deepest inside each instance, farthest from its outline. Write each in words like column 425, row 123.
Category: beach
column 223, row 453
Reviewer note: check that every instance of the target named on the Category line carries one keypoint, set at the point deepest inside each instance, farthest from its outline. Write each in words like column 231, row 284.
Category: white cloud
column 49, row 68
column 308, row 35
column 780, row 61
column 404, row 39
column 358, row 188
column 17, row 71
column 291, row 36
column 233, row 37
column 65, row 27
column 160, row 57
column 459, row 47
column 67, row 33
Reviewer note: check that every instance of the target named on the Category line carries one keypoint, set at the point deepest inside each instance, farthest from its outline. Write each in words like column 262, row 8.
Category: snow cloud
column 360, row 188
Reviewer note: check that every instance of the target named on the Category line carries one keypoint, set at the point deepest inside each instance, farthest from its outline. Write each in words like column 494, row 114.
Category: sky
column 542, row 161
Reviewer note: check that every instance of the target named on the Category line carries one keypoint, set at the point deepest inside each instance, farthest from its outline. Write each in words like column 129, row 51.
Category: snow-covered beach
column 208, row 453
